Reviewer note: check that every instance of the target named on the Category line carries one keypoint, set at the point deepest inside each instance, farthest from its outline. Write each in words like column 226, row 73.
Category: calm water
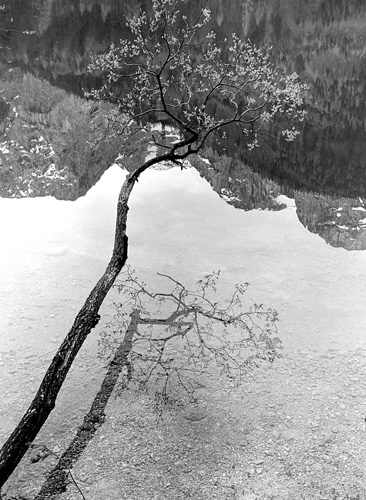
column 323, row 41
column 54, row 251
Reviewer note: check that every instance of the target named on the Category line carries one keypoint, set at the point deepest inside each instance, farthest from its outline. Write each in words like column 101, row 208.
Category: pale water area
column 53, row 252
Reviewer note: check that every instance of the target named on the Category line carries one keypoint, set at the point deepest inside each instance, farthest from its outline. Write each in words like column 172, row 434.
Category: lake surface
column 53, row 252
column 323, row 41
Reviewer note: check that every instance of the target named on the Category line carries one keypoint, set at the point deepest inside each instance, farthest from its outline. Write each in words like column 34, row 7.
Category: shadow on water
column 51, row 142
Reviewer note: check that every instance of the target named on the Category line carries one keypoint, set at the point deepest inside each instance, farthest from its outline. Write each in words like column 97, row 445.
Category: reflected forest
column 46, row 48
column 265, row 101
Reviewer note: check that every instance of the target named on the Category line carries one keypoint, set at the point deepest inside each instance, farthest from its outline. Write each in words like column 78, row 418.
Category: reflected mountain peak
column 46, row 147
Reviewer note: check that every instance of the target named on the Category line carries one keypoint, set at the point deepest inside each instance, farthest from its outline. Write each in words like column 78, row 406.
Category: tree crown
column 173, row 69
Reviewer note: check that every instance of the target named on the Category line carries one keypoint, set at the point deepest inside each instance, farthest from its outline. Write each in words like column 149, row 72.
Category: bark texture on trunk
column 87, row 318
column 57, row 479
column 44, row 401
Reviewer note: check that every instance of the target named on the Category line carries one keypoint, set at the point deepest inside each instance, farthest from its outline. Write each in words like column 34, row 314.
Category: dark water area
column 322, row 40
column 53, row 251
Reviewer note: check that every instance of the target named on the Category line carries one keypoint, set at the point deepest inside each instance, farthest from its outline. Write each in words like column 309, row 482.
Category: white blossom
column 172, row 67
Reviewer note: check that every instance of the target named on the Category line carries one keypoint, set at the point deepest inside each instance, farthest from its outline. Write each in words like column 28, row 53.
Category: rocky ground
column 294, row 430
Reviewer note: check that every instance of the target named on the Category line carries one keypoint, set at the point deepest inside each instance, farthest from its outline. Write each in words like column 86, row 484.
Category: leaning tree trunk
column 87, row 318
column 57, row 479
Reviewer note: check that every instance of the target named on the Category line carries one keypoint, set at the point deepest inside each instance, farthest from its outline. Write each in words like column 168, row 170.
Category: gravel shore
column 294, row 430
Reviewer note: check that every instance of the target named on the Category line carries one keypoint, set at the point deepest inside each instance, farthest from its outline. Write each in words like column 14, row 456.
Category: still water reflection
column 323, row 41
column 53, row 251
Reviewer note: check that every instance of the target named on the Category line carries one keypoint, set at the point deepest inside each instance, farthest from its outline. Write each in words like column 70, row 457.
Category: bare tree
column 183, row 334
column 171, row 70
column 165, row 342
